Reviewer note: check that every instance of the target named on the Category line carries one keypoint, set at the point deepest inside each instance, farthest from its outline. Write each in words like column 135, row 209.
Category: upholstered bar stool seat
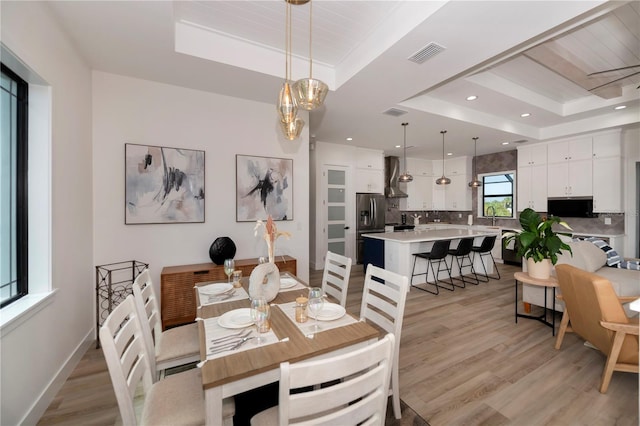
column 438, row 253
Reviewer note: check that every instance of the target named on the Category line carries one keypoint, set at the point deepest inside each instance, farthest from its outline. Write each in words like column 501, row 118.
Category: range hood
column 391, row 175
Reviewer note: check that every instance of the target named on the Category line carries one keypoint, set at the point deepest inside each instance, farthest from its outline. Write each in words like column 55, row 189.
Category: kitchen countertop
column 427, row 235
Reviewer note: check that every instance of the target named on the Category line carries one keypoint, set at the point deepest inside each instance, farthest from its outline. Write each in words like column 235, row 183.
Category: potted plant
column 538, row 243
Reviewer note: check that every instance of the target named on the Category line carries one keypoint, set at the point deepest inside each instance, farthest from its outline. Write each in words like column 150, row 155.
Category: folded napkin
column 229, row 296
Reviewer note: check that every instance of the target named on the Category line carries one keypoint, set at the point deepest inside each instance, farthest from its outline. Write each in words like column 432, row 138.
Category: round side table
column 552, row 283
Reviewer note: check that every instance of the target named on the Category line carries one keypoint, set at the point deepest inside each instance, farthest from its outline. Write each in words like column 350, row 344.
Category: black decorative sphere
column 221, row 249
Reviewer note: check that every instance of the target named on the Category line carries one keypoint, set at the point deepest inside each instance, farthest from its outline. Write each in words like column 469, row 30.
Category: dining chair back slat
column 166, row 349
column 383, row 302
column 349, row 388
column 335, row 279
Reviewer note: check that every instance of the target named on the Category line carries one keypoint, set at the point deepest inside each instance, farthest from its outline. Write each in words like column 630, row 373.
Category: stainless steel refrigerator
column 369, row 218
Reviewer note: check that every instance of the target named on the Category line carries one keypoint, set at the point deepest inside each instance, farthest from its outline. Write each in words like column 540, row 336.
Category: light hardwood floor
column 463, row 361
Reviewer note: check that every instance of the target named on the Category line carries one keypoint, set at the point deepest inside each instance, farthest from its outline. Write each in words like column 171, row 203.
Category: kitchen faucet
column 493, row 216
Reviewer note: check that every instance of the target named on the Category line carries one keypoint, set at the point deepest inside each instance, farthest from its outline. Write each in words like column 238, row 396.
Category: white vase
column 264, row 281
column 540, row 270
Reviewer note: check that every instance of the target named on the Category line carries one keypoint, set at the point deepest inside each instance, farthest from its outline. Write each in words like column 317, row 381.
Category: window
column 13, row 188
column 498, row 195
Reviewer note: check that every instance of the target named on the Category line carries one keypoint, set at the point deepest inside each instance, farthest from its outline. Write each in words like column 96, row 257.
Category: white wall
column 34, row 352
column 128, row 110
column 631, row 155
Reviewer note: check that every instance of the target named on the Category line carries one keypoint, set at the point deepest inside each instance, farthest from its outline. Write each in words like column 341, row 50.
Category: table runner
column 212, row 330
column 306, row 328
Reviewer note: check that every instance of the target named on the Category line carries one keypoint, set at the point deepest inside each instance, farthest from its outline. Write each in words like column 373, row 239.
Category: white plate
column 215, row 289
column 287, row 282
column 238, row 318
column 330, row 312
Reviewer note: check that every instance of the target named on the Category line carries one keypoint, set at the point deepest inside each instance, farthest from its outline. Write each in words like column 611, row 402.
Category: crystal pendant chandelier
column 405, row 177
column 287, row 105
column 475, row 183
column 310, row 92
column 443, row 180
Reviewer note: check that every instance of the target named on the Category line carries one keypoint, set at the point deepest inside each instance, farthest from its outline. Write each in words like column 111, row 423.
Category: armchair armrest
column 626, row 328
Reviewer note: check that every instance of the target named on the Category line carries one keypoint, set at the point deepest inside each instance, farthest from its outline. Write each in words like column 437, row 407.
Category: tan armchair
column 594, row 312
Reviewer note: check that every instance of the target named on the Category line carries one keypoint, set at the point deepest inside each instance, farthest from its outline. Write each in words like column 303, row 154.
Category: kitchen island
column 394, row 250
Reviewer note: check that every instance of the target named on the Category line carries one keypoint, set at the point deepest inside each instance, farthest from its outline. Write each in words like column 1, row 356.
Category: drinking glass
column 260, row 313
column 316, row 301
column 229, row 265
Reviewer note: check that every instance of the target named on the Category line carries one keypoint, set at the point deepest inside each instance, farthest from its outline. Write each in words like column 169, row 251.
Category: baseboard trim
column 40, row 406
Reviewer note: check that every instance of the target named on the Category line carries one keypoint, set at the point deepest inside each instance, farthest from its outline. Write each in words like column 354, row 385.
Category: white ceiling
column 501, row 51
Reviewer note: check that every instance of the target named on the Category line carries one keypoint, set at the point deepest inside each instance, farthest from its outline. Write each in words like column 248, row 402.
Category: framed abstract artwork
column 264, row 186
column 163, row 185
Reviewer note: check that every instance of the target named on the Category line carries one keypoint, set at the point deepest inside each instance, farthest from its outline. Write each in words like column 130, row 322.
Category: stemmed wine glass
column 229, row 266
column 260, row 313
column 316, row 301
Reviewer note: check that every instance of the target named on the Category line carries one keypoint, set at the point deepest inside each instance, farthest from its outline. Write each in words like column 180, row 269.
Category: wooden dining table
column 238, row 372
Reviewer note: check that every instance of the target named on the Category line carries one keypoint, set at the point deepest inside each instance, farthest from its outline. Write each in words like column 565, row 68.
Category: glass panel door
column 335, row 203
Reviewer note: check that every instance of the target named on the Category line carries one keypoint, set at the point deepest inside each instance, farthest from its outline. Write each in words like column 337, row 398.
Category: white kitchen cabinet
column 607, row 145
column 419, row 167
column 458, row 193
column 570, row 150
column 370, row 159
column 369, row 171
column 532, row 187
column 458, row 166
column 535, row 155
column 419, row 193
column 570, row 179
column 370, row 181
column 607, row 185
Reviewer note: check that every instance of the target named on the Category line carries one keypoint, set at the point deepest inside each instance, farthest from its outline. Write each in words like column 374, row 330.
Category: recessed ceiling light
column 472, row 98
column 349, row 139
column 620, row 107
column 524, row 115
column 449, row 153
column 505, row 143
column 398, row 146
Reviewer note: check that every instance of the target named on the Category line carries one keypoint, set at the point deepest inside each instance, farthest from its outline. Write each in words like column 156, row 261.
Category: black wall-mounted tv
column 570, row 207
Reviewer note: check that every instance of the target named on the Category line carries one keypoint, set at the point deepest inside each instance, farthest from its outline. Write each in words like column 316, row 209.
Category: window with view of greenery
column 13, row 187
column 498, row 195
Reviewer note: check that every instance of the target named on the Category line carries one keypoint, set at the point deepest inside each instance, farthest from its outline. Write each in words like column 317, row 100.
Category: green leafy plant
column 537, row 239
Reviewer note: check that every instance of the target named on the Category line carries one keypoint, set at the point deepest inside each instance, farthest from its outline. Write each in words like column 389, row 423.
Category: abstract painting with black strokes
column 163, row 185
column 264, row 186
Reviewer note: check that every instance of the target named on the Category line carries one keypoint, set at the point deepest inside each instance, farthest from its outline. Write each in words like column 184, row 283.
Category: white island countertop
column 427, row 235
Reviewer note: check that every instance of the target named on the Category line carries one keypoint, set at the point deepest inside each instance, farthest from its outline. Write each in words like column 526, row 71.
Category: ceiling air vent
column 521, row 141
column 395, row 112
column 427, row 52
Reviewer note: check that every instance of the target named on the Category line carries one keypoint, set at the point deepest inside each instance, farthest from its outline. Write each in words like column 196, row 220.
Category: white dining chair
column 335, row 279
column 383, row 301
column 172, row 347
column 176, row 400
column 354, row 389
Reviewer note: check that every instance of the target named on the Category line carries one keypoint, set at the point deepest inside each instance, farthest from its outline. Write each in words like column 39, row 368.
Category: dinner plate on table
column 215, row 289
column 288, row 282
column 329, row 312
column 238, row 318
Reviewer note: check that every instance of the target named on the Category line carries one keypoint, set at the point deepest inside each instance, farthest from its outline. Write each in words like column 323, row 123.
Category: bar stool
column 462, row 253
column 484, row 249
column 438, row 253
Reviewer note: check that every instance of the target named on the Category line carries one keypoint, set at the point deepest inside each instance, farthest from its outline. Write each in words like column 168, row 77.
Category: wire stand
column 113, row 285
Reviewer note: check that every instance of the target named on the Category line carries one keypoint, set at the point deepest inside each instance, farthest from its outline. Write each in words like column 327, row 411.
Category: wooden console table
column 178, row 304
